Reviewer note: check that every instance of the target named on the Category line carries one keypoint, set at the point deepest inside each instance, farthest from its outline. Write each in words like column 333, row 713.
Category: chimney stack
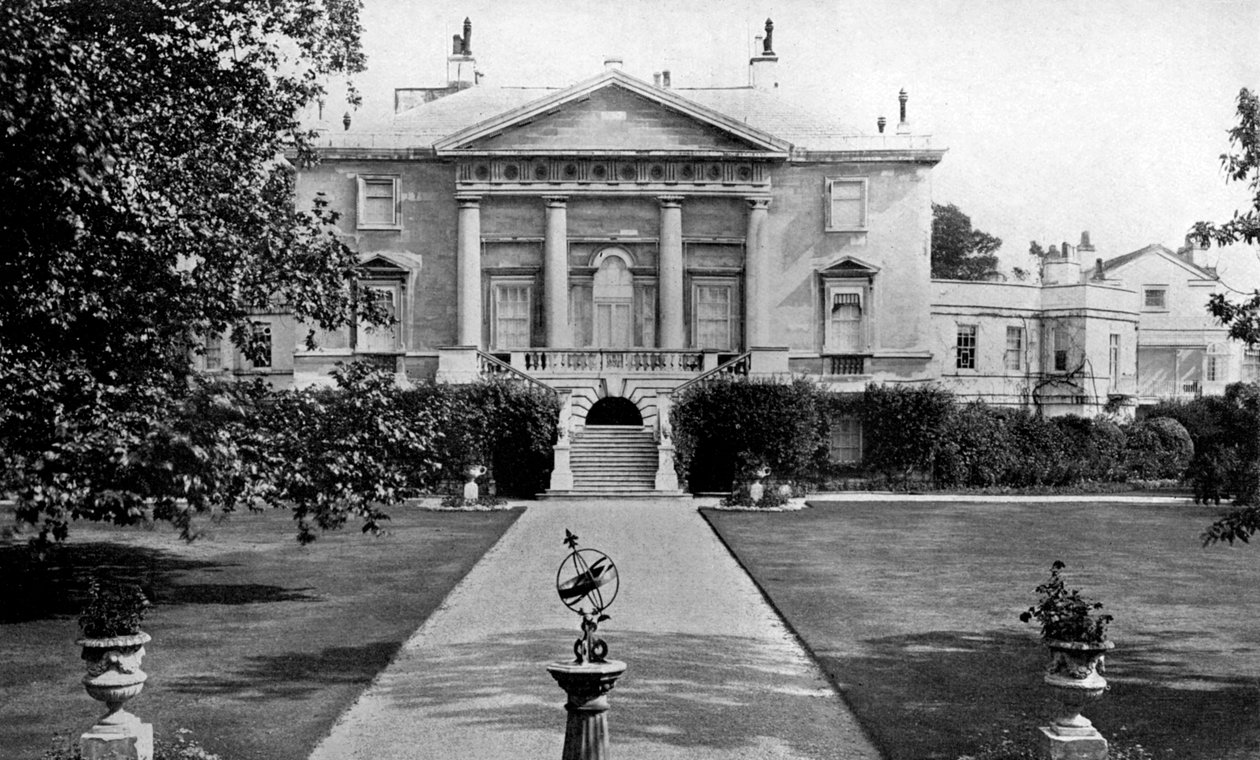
column 762, row 67
column 461, row 68
column 1193, row 254
column 613, row 62
column 903, row 126
column 1085, row 246
column 1061, row 267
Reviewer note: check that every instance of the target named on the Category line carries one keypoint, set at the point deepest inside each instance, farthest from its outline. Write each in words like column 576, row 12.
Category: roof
column 776, row 118
column 1155, row 249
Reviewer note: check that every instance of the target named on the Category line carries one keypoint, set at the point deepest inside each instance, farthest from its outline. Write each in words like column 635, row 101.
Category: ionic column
column 556, row 273
column 756, row 312
column 468, row 269
column 670, row 273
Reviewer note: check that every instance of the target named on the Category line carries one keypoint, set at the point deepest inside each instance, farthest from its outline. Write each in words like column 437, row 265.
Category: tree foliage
column 958, row 251
column 145, row 201
column 1242, row 164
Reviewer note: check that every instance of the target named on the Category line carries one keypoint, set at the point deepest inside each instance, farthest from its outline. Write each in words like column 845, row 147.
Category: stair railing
column 490, row 366
column 737, row 366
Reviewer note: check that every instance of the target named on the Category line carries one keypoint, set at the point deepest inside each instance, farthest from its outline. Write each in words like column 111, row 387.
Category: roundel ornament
column 587, row 583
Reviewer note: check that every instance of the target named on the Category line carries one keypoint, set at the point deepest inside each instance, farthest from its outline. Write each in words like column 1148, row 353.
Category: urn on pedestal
column 112, row 646
column 1077, row 640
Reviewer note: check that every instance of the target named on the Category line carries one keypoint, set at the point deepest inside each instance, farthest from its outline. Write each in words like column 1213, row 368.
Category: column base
column 1072, row 744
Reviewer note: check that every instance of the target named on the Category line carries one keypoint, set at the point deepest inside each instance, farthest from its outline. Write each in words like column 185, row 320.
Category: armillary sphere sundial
column 587, row 582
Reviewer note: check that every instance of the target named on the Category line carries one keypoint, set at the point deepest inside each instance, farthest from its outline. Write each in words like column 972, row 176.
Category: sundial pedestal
column 587, row 685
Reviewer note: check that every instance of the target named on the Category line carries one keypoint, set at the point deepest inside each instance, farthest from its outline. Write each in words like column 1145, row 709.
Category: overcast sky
column 1108, row 116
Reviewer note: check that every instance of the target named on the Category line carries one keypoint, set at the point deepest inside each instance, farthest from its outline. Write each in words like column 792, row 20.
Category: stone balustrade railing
column 581, row 361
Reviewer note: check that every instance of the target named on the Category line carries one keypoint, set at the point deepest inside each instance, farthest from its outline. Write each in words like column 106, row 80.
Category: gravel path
column 712, row 673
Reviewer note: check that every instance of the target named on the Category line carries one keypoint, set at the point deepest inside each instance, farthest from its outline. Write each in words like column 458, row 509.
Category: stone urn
column 114, row 675
column 758, row 489
column 1075, row 679
column 471, row 473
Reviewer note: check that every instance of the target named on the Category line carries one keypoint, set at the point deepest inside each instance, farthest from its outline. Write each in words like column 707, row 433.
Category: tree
column 1242, row 317
column 145, row 203
column 1242, row 165
column 958, row 251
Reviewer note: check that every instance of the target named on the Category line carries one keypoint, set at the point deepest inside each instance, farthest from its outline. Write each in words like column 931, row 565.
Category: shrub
column 975, row 449
column 1157, row 448
column 902, row 426
column 728, row 428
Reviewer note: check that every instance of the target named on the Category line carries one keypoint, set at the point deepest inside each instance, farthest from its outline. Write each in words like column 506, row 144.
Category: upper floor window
column 1014, row 358
column 1061, row 342
column 1155, row 299
column 379, row 206
column 846, row 204
column 966, row 344
column 846, row 320
column 1113, row 358
column 213, row 355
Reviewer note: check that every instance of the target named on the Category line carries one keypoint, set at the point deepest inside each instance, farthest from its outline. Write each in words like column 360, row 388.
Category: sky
column 1058, row 116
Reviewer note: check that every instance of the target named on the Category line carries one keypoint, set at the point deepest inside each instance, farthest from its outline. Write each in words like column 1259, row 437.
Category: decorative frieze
column 525, row 171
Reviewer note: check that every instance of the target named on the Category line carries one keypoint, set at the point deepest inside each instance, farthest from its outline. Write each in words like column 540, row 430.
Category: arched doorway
column 614, row 410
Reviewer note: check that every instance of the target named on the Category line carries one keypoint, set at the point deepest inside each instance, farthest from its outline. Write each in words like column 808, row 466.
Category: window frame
column 837, row 443
column 397, row 290
column 1113, row 357
column 830, row 224
column 268, row 328
column 972, row 351
column 731, row 285
column 496, row 285
column 1147, row 290
column 361, row 221
column 831, row 337
column 1017, row 352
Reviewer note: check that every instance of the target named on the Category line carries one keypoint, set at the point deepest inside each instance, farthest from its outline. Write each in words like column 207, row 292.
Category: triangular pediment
column 849, row 267
column 613, row 114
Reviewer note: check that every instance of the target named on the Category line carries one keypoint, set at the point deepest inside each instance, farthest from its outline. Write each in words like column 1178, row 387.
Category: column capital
column 670, row 201
column 758, row 203
column 468, row 200
column 555, row 201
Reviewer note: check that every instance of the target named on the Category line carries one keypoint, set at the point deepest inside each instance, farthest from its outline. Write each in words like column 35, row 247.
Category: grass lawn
column 912, row 610
column 258, row 643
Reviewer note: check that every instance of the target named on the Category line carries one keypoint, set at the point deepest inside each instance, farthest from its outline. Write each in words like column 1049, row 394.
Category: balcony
column 845, row 364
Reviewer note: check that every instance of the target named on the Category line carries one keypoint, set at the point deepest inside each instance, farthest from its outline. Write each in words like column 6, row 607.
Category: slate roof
column 807, row 126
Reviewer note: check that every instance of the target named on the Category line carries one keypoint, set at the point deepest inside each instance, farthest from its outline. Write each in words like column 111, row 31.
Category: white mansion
column 617, row 238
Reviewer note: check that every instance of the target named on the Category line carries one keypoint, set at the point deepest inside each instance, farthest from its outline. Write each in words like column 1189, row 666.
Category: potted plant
column 113, row 646
column 1076, row 634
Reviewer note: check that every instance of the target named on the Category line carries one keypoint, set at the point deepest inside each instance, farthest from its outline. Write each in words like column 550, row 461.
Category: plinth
column 122, row 737
column 587, row 685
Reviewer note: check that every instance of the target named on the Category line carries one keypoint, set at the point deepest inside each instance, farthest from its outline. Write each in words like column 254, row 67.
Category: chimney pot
column 768, row 49
column 881, row 122
column 665, row 79
column 345, row 120
column 903, row 126
column 467, row 36
column 656, row 78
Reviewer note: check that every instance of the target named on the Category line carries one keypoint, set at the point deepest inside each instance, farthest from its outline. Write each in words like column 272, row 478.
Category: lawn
column 912, row 611
column 258, row 643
